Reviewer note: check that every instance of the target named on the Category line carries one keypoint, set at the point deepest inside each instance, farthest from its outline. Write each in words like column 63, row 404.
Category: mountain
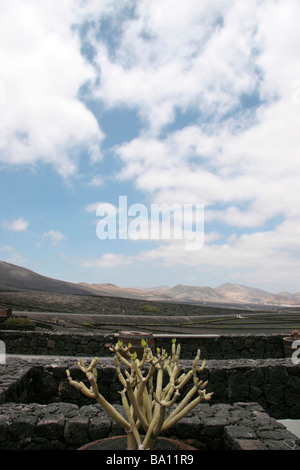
column 195, row 293
column 240, row 293
column 224, row 294
column 112, row 290
column 14, row 277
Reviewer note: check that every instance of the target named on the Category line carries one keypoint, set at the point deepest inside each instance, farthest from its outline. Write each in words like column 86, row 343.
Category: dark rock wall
column 89, row 344
column 65, row 426
column 273, row 383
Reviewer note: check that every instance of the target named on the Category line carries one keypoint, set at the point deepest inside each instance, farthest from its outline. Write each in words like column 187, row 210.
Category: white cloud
column 55, row 236
column 265, row 258
column 97, row 180
column 16, row 225
column 43, row 70
column 108, row 260
column 176, row 55
column 104, row 206
column 256, row 255
column 92, row 207
column 245, row 168
column 243, row 164
column 169, row 58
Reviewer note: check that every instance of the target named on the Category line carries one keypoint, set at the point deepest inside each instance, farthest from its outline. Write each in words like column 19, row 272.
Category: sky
column 152, row 102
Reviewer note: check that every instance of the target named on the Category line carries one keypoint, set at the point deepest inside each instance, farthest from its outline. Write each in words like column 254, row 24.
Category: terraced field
column 185, row 325
column 111, row 314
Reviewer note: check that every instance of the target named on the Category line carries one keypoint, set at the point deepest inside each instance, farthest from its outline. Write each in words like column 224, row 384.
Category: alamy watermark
column 2, row 353
column 295, row 358
column 162, row 222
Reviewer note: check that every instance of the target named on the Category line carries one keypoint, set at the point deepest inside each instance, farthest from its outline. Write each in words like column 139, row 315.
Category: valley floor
column 111, row 314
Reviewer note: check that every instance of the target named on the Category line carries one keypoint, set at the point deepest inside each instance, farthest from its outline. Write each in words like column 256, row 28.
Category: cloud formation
column 55, row 236
column 216, row 88
column 230, row 70
column 43, row 119
column 16, row 225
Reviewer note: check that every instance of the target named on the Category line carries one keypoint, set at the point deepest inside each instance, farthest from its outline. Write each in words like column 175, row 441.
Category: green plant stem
column 133, row 435
column 148, row 438
column 144, row 408
column 175, row 418
column 160, row 421
column 182, row 405
column 136, row 407
column 111, row 411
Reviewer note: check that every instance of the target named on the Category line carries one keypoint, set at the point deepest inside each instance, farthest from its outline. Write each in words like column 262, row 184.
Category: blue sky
column 162, row 102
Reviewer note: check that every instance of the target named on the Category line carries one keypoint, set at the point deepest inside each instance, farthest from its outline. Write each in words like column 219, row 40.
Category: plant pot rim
column 177, row 443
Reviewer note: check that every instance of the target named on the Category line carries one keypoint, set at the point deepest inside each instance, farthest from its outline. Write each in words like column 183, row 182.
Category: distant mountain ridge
column 225, row 294
column 14, row 277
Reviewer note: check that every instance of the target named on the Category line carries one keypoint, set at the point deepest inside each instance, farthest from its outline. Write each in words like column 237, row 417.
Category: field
column 110, row 314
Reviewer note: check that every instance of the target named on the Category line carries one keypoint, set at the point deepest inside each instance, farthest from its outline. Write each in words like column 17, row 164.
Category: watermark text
column 162, row 222
column 296, row 354
column 2, row 353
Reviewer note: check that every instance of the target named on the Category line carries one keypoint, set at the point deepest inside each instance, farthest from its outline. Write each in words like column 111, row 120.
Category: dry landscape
column 110, row 308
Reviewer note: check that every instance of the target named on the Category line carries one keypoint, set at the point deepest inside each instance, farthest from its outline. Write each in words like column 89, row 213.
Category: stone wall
column 93, row 343
column 65, row 426
column 273, row 384
column 40, row 410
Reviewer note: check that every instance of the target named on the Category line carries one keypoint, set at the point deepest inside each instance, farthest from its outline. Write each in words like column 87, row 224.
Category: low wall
column 273, row 384
column 40, row 410
column 64, row 426
column 93, row 343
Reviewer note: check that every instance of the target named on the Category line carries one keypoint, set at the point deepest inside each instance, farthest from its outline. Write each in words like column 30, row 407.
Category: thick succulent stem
column 143, row 406
column 133, row 432
column 94, row 393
